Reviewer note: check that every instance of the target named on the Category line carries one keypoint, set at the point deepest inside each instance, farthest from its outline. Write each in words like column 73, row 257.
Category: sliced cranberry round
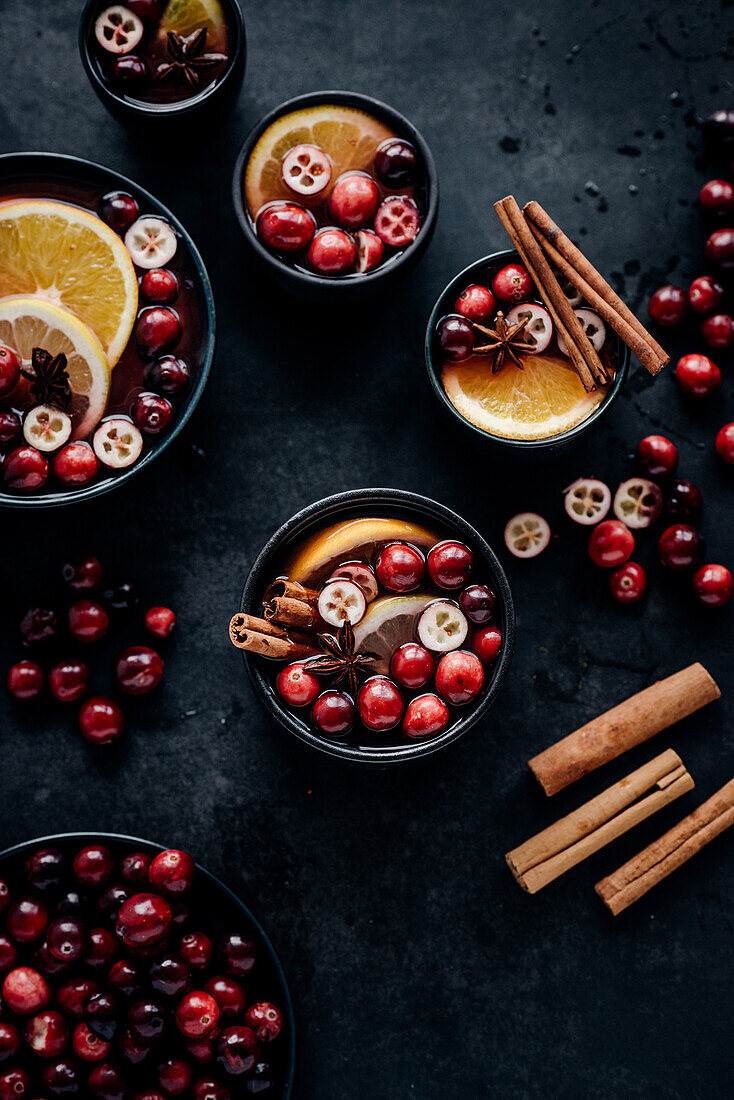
column 657, row 456
column 705, row 294
column 396, row 163
column 638, row 502
column 333, row 713
column 720, row 248
column 265, row 1020
column 138, row 670
column 46, row 1034
column 717, row 197
column 196, row 949
column 332, row 252
column 25, row 991
column 611, row 544
column 197, row 1014
column 160, row 621
column 238, row 1050
column 456, row 338
column 94, row 865
column 68, row 680
column 397, row 221
column 718, row 331
column 25, row 469
column 87, row 621
column 82, row 573
column 101, row 721
column 170, row 375
column 159, row 286
column 170, row 975
column 10, row 425
column 152, row 413
column 9, row 369
column 412, row 666
column 680, row 547
column 668, row 306
column 26, row 919
column 143, row 920
column 306, row 169
column 285, row 227
column 476, row 303
column 712, row 585
column 228, row 994
column 380, row 704
column 172, row 871
column 459, row 676
column 25, row 680
column 513, row 283
column 400, row 567
column 450, row 564
column 238, row 953
column 628, row 584
column 370, row 251
column 119, row 210
column 174, row 1076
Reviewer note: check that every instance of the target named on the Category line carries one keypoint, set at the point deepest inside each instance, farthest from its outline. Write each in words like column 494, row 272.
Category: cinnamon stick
column 288, row 611
column 252, row 622
column 290, row 590
column 560, row 847
column 582, row 354
column 624, row 726
column 267, row 645
column 584, row 271
column 645, row 870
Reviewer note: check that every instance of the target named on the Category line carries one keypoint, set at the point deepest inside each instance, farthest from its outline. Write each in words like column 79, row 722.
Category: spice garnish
column 339, row 659
column 188, row 60
column 506, row 340
column 49, row 378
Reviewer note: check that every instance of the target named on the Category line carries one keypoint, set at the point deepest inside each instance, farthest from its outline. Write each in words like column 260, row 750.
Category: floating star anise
column 188, row 61
column 49, row 378
column 339, row 659
column 506, row 340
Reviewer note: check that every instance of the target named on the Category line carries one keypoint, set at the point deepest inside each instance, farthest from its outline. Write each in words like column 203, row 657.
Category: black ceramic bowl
column 387, row 502
column 346, row 288
column 480, row 272
column 208, row 104
column 223, row 910
column 30, row 173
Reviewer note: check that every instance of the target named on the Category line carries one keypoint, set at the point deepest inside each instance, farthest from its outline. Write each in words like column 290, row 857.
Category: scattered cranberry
column 476, row 303
column 169, row 375
column 397, row 221
column 239, row 954
column 172, row 871
column 26, row 919
column 144, row 919
column 196, row 949
column 697, row 375
column 46, row 1034
column 395, row 163
column 718, row 331
column 122, row 598
column 450, row 564
column 25, row 469
column 9, row 1041
column 487, row 643
column 668, row 306
column 238, row 1050
column 265, row 1020
column 37, row 625
column 459, row 676
column 88, row 621
column 724, row 444
column 712, row 585
column 10, row 425
column 25, row 680
column 285, row 227
column 152, row 413
column 25, row 991
column 101, row 721
column 68, row 680
column 611, row 543
column 174, row 1076
column 456, row 337
column 400, row 567
column 717, row 197
column 228, row 994
column 129, row 70
column 169, row 975
column 720, row 248
column 680, row 547
column 512, row 283
column 425, row 716
column 380, row 704
column 353, row 200
column 157, row 330
column 705, row 294
column 657, row 456
column 138, row 670
column 160, row 621
column 297, row 686
column 119, row 210
column 333, row 713
column 628, row 584
column 412, row 666
column 197, row 1014
column 370, row 251
column 159, row 286
column 9, row 369
column 684, row 500
column 332, row 252
column 478, row 602
column 82, row 573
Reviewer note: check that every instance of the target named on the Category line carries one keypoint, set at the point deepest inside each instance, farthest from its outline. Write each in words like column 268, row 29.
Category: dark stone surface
column 418, row 967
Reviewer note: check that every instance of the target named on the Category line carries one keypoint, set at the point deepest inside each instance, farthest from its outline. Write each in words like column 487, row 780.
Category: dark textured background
column 418, row 967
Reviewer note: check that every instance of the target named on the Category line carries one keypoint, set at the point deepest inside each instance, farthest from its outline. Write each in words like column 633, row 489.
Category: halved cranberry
column 25, row 469
column 668, row 306
column 228, row 994
column 169, row 374
column 75, row 464
column 101, row 721
column 46, row 1034
column 160, row 621
column 144, row 919
column 172, row 871
column 68, row 680
column 370, row 251
column 25, row 991
column 87, row 621
column 82, row 573
column 138, row 670
column 9, row 369
column 285, row 227
column 159, row 286
column 353, row 200
column 397, row 221
column 25, row 680
column 152, row 413
column 476, row 303
column 512, row 283
column 332, row 252
column 425, row 716
column 238, row 1050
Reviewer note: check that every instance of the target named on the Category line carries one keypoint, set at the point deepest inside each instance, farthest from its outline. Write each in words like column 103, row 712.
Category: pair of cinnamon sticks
column 538, row 240
column 285, row 631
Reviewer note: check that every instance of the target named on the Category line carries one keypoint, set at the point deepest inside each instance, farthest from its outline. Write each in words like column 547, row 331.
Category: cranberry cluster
column 138, row 668
column 116, row 986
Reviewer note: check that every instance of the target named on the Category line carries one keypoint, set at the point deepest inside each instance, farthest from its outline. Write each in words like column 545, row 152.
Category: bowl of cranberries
column 377, row 626
column 127, row 971
column 336, row 193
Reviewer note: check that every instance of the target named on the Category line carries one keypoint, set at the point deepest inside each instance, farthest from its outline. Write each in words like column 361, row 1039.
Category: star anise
column 506, row 340
column 339, row 659
column 49, row 378
column 188, row 61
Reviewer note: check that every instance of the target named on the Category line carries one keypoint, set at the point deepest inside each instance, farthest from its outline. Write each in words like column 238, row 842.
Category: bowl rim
column 402, row 126
column 151, row 845
column 163, row 110
column 45, row 161
column 433, row 369
column 326, row 509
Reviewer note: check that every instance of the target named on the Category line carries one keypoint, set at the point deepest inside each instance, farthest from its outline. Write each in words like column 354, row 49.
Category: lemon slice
column 318, row 556
column 71, row 258
column 186, row 16
column 28, row 323
column 543, row 400
column 389, row 622
column 347, row 135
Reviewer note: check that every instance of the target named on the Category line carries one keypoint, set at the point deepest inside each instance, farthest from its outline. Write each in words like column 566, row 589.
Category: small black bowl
column 217, row 900
column 346, row 288
column 207, row 104
column 389, row 502
column 511, row 448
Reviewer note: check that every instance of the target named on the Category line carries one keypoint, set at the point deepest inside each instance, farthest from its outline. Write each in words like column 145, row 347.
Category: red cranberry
column 170, row 975
column 8, row 953
column 157, row 330
column 68, row 680
column 93, row 865
column 26, row 919
column 476, row 303
column 25, row 469
column 668, row 306
column 107, row 1083
column 25, row 991
column 130, row 70
column 332, row 252
column 412, row 666
column 174, row 1076
column 724, row 445
column 160, row 621
column 196, row 949
column 124, row 977
column 73, row 995
column 478, row 603
column 400, row 567
column 718, row 331
column 149, row 10
column 47, row 964
column 397, row 221
column 456, row 338
column 459, row 676
column 146, row 1019
column 134, row 867
column 680, row 547
column 111, row 899
column 370, row 251
column 88, row 621
column 144, row 919
column 88, row 1046
column 657, row 456
column 14, row 1084
column 238, row 1050
column 76, row 464
column 380, row 704
column 628, row 584
column 101, row 721
column 133, row 1050
column 138, row 670
column 229, row 996
column 46, row 1034
column 353, row 200
column 425, row 716
column 152, row 413
column 159, row 286
column 333, row 713
column 395, row 163
column 720, row 248
column 487, row 643
column 25, row 680
column 81, row 574
column 65, row 939
column 697, row 375
column 169, row 375
column 197, row 1014
column 206, row 1088
column 512, row 283
column 9, row 1041
column 45, row 868
column 10, row 425
column 611, row 543
column 285, row 227
column 712, row 585
column 265, row 1020
column 62, row 1078
column 684, row 500
column 717, row 197
column 172, row 871
column 4, row 896
column 9, row 369
column 238, row 954
column 450, row 564
column 119, row 210
column 101, row 950
column 705, row 294
column 296, row 686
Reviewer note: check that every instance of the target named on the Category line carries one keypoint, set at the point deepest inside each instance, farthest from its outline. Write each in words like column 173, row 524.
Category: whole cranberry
column 668, row 306
column 111, row 899
column 94, row 865
column 197, row 1014
column 158, row 329
column 202, row 1049
column 102, row 1015
column 87, row 621
column 46, row 1034
column 487, row 643
column 160, row 621
column 712, row 585
column 238, row 1050
column 261, row 1080
column 144, row 919
column 88, row 1046
column 333, row 713
column 169, row 374
column 476, row 303
column 286, row 227
column 705, row 294
column 10, row 425
column 684, row 500
column 65, row 939
column 73, row 995
column 25, row 469
column 148, row 10
column 159, row 286
column 170, row 975
column 68, row 680
column 25, row 680
column 400, row 567
column 724, row 444
column 425, row 716
column 38, row 625
column 152, row 413
column 4, row 896
column 697, row 375
column 196, row 949
column 718, row 331
column 478, row 602
column 450, row 564
column 147, row 1019
column 657, row 456
column 512, row 284
column 680, row 547
column 717, row 197
column 14, row 1084
column 206, row 1088
column 138, row 670
column 82, row 573
column 228, row 994
column 8, row 953
column 353, row 200
column 26, row 919
column 395, row 163
column 172, row 871
column 628, row 584
column 719, row 248
column 134, row 867
column 9, row 369
column 129, row 70
column 101, row 721
column 124, row 977
column 412, row 666
column 44, row 869
column 25, row 991
column 332, row 252
column 459, row 676
column 611, row 543
column 239, row 954
column 47, row 964
column 75, row 464
column 101, row 949
column 62, row 1078
column 455, row 337
column 119, row 210
column 265, row 1020
column 174, row 1076
column 297, row 686
column 107, row 1083
column 380, row 704
column 9, row 1041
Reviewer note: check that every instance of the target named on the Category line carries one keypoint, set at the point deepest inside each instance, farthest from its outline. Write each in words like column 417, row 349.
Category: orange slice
column 186, row 16
column 348, row 136
column 543, row 400
column 389, row 622
column 350, row 540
